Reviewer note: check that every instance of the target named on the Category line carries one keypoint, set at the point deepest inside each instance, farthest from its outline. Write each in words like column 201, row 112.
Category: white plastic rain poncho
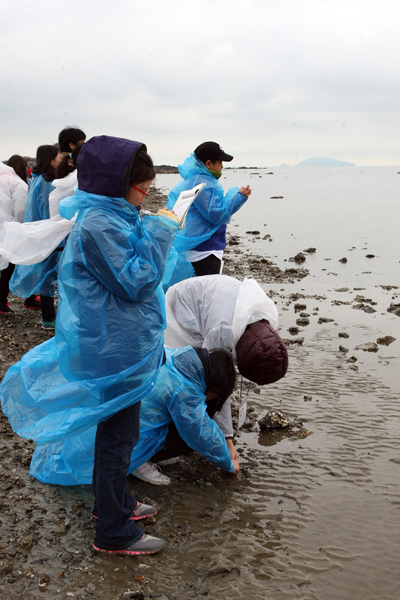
column 177, row 397
column 213, row 311
column 31, row 243
column 13, row 196
column 39, row 278
column 108, row 345
column 211, row 209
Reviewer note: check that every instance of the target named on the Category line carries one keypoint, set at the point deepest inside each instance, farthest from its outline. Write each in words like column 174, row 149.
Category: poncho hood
column 193, row 166
column 103, row 163
column 5, row 169
column 262, row 356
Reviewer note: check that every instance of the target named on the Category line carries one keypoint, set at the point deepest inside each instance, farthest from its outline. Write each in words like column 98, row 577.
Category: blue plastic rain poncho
column 178, row 397
column 108, row 345
column 211, row 209
column 39, row 278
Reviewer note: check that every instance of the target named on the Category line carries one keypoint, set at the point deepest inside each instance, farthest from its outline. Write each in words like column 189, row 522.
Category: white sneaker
column 151, row 473
column 169, row 461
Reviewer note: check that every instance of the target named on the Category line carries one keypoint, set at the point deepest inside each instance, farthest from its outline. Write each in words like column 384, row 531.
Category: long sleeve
column 129, row 265
column 188, row 411
column 19, row 195
column 217, row 208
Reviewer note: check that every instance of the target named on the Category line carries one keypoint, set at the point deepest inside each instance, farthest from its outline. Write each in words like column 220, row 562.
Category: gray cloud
column 272, row 82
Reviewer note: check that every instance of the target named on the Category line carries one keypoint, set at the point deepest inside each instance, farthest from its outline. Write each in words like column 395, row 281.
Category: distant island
column 323, row 161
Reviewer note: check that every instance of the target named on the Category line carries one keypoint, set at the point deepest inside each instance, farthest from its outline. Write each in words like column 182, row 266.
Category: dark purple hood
column 103, row 163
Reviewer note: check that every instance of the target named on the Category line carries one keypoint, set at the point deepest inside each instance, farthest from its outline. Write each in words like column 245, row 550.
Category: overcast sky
column 272, row 81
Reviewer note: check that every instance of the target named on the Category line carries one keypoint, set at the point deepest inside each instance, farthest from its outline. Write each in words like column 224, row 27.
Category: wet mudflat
column 310, row 516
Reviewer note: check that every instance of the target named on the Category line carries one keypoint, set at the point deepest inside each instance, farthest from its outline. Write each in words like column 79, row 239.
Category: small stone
column 369, row 309
column 385, row 341
column 274, row 419
column 299, row 341
column 343, row 349
column 352, row 359
column 61, row 529
column 310, row 250
column 343, row 260
column 307, row 398
column 368, row 347
column 43, row 579
column 324, row 320
column 299, row 306
column 394, row 308
column 299, row 258
column 293, row 330
column 303, row 322
column 67, row 557
column 370, row 256
column 343, row 334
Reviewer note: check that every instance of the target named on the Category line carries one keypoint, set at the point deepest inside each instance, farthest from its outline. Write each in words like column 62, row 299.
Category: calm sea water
column 335, row 210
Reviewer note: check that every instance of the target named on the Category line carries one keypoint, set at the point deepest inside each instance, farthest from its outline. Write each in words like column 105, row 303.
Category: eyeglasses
column 139, row 190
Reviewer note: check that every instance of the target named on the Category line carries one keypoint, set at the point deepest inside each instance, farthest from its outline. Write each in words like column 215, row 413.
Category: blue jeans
column 115, row 439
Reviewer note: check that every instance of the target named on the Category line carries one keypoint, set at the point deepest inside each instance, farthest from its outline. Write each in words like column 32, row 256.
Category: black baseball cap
column 211, row 151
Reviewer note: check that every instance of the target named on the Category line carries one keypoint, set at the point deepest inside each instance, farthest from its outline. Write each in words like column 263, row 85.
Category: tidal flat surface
column 312, row 517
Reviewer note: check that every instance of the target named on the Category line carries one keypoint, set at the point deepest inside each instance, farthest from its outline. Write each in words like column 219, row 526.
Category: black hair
column 222, row 380
column 44, row 155
column 19, row 165
column 70, row 135
column 68, row 163
column 140, row 169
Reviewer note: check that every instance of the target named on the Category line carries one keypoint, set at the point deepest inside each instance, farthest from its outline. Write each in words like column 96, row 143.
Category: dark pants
column 48, row 310
column 4, row 283
column 115, row 439
column 211, row 265
column 174, row 444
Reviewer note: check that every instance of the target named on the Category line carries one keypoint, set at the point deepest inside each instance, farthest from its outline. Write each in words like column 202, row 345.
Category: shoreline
column 27, row 504
column 47, row 531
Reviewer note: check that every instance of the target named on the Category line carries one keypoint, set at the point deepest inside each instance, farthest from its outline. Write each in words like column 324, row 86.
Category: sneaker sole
column 136, row 517
column 128, row 552
column 159, row 483
column 140, row 517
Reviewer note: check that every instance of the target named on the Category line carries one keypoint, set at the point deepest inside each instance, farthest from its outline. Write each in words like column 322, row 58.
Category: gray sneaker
column 140, row 512
column 146, row 545
column 143, row 510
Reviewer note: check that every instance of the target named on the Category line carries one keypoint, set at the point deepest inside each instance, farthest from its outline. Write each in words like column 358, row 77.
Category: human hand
column 168, row 214
column 236, row 465
column 171, row 210
column 232, row 450
column 245, row 191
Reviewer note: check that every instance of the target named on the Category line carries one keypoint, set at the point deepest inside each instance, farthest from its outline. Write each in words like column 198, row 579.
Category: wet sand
column 310, row 516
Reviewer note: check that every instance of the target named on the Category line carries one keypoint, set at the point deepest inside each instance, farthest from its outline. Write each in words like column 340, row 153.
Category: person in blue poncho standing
column 108, row 346
column 200, row 246
column 40, row 278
